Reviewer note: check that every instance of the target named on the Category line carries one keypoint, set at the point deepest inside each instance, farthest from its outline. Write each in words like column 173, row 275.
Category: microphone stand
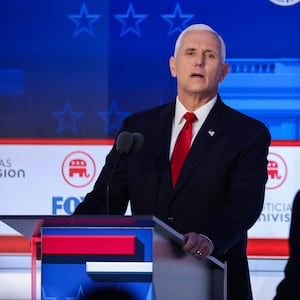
column 125, row 144
column 108, row 183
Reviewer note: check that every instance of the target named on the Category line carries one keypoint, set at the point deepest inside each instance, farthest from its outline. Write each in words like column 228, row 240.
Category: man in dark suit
column 288, row 288
column 219, row 193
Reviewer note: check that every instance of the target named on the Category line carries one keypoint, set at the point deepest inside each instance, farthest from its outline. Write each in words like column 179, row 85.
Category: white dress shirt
column 179, row 120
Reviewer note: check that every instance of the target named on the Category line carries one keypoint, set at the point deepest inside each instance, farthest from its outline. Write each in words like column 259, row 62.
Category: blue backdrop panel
column 78, row 68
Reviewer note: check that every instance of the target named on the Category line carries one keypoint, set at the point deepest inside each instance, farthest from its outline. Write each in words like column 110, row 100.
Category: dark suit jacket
column 219, row 192
column 288, row 288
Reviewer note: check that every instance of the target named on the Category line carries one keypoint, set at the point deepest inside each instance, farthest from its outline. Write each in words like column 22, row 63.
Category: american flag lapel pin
column 211, row 132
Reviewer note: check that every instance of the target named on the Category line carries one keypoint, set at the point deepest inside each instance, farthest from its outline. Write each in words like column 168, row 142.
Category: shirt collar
column 201, row 112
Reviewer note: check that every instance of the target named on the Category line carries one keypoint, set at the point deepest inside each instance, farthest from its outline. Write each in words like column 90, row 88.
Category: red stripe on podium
column 78, row 244
column 268, row 247
column 259, row 247
column 14, row 244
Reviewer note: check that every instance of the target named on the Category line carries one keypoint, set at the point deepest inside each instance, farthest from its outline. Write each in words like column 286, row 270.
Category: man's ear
column 224, row 72
column 172, row 65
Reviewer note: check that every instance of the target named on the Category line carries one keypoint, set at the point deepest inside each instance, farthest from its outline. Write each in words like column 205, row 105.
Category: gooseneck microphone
column 138, row 142
column 126, row 143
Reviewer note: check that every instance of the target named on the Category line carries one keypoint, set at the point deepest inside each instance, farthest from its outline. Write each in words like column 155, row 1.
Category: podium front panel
column 77, row 262
column 116, row 257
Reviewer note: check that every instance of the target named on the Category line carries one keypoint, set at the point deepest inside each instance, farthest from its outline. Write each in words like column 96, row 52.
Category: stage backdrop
column 77, row 68
column 55, row 186
column 71, row 71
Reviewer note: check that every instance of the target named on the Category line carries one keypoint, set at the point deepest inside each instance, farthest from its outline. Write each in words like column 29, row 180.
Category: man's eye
column 210, row 55
column 189, row 53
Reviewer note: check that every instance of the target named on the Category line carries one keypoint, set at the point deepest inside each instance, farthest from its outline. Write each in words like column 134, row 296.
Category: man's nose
column 199, row 61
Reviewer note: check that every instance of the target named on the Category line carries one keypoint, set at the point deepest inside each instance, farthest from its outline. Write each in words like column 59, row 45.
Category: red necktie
column 182, row 146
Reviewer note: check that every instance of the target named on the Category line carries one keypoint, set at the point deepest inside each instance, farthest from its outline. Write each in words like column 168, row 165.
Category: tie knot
column 190, row 117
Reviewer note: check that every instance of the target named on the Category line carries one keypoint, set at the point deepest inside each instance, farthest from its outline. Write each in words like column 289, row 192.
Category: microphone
column 126, row 143
column 138, row 142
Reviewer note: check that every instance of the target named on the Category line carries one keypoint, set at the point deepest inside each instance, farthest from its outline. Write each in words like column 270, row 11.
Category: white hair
column 200, row 27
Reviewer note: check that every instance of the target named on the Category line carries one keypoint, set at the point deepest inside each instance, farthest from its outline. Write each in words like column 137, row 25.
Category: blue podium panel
column 79, row 262
column 116, row 257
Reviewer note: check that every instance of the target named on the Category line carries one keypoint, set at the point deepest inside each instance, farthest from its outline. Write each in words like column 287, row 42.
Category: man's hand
column 199, row 245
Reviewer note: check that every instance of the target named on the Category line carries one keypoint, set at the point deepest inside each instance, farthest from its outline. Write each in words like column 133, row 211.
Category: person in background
column 288, row 288
column 215, row 193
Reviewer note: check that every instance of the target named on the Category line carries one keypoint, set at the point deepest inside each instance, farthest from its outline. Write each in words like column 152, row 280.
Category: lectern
column 139, row 256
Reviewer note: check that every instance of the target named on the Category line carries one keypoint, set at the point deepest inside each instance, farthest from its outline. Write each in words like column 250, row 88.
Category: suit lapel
column 161, row 130
column 162, row 127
